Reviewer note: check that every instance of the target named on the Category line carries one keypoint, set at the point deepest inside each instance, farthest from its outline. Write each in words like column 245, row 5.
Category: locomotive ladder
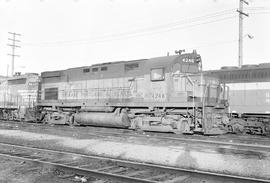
column 104, row 169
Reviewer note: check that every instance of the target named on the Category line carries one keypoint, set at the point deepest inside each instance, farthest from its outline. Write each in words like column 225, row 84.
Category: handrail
column 203, row 105
column 193, row 95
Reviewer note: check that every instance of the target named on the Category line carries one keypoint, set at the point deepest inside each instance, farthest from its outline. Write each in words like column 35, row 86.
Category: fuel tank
column 116, row 119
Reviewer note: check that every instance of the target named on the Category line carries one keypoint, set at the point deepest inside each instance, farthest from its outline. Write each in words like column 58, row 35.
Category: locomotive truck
column 165, row 94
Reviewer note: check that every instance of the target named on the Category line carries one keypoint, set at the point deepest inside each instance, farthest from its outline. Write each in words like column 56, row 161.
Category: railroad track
column 238, row 145
column 248, row 139
column 114, row 170
column 233, row 146
column 255, row 142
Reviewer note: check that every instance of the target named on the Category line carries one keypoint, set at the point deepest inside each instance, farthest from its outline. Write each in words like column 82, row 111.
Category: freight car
column 18, row 97
column 166, row 94
column 249, row 96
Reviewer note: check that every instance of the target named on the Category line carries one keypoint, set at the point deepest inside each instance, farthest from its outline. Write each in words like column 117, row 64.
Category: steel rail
column 177, row 138
column 231, row 146
column 130, row 163
column 97, row 174
column 189, row 140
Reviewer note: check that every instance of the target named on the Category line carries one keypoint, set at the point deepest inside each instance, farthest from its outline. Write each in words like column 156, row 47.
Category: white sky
column 59, row 34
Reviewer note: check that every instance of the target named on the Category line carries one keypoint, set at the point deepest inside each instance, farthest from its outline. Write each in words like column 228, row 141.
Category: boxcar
column 249, row 95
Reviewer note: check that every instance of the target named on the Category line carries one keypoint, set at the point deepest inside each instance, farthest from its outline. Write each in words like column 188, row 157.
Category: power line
column 168, row 29
column 266, row 12
column 92, row 41
column 212, row 44
column 258, row 10
column 184, row 23
column 13, row 46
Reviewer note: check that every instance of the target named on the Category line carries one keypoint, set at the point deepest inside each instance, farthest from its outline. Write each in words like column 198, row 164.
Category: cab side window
column 157, row 74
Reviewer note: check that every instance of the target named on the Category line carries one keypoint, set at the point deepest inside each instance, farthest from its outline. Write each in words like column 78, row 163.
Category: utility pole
column 13, row 46
column 240, row 41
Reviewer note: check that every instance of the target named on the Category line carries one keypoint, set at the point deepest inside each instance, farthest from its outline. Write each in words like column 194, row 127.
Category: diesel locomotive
column 165, row 94
column 18, row 97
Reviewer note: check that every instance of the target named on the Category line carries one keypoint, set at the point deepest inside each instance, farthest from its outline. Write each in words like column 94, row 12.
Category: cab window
column 157, row 74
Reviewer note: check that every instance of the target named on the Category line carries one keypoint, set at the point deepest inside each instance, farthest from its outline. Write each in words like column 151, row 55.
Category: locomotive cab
column 208, row 98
